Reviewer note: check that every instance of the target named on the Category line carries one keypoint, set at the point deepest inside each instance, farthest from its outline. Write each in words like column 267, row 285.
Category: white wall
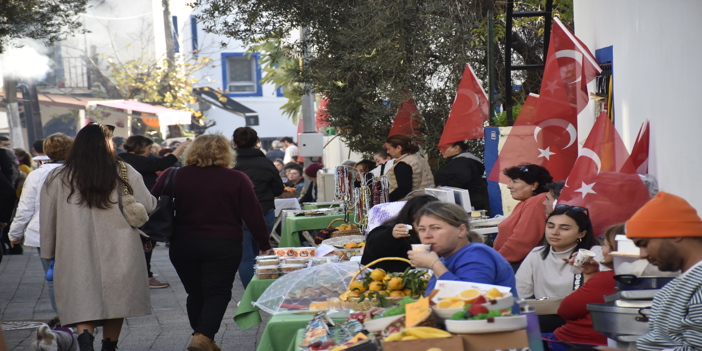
column 656, row 48
column 272, row 123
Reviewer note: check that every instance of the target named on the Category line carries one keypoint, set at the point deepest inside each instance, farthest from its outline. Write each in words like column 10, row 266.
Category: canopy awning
column 166, row 116
column 224, row 102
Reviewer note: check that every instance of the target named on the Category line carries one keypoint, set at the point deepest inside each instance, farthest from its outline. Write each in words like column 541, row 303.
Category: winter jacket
column 263, row 175
column 148, row 166
column 464, row 171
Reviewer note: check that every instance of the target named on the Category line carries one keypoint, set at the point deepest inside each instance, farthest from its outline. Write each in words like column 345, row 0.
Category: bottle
column 533, row 330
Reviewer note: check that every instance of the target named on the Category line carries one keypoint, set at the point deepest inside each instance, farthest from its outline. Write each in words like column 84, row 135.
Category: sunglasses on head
column 572, row 208
column 110, row 127
column 524, row 169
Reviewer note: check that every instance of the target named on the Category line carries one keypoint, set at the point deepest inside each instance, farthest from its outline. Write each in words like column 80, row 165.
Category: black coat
column 263, row 175
column 465, row 172
column 148, row 166
column 380, row 243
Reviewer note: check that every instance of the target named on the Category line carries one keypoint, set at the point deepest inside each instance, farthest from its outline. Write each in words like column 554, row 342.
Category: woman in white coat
column 99, row 271
column 26, row 221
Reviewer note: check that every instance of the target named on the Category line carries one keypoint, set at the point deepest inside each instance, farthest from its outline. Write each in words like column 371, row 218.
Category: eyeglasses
column 572, row 208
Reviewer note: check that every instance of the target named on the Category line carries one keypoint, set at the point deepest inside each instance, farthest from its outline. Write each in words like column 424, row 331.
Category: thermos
column 533, row 330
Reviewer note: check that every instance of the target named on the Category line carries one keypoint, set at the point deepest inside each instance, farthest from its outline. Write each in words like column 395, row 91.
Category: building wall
column 272, row 123
column 656, row 51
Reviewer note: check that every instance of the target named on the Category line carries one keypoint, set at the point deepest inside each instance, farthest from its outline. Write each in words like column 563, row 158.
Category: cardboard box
column 446, row 344
column 516, row 339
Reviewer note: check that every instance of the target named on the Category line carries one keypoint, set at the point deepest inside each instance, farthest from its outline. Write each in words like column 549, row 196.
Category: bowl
column 378, row 325
column 506, row 302
column 491, row 325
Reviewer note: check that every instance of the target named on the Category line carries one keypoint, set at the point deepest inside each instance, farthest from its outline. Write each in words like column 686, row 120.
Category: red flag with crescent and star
column 604, row 180
column 469, row 112
column 569, row 67
column 321, row 119
column 639, row 153
column 406, row 120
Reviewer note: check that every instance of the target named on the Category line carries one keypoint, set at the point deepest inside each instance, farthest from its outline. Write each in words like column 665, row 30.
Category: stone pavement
column 24, row 301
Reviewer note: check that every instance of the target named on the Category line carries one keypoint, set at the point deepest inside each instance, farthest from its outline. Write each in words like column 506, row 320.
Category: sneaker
column 156, row 284
column 200, row 342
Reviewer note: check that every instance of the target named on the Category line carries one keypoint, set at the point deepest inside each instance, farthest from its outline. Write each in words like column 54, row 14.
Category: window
column 241, row 74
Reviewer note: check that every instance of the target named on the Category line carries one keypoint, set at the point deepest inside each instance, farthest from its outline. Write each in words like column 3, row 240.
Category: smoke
column 25, row 60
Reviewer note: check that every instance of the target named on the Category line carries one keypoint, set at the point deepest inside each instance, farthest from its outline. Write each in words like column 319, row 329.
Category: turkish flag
column 604, row 180
column 469, row 112
column 321, row 119
column 639, row 153
column 407, row 119
column 553, row 126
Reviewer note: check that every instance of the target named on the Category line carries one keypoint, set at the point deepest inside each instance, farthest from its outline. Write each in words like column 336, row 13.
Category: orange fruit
column 357, row 285
column 376, row 286
column 362, row 245
column 395, row 284
column 397, row 293
column 378, row 274
column 444, row 303
column 354, row 293
column 493, row 294
column 407, row 292
column 457, row 304
column 351, row 245
column 469, row 295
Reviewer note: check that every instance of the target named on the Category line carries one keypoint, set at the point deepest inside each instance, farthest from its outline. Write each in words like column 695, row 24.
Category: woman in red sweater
column 578, row 328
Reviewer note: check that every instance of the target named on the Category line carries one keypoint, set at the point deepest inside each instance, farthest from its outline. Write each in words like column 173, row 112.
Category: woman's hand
column 590, row 267
column 422, row 259
column 181, row 148
column 400, row 231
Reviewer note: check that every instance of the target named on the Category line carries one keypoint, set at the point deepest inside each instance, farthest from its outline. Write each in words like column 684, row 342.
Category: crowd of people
column 101, row 263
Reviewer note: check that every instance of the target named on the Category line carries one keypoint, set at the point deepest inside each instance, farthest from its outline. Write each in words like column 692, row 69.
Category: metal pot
column 612, row 320
column 632, row 282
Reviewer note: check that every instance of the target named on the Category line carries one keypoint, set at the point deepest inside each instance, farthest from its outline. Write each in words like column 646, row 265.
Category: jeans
column 207, row 269
column 49, row 284
column 250, row 250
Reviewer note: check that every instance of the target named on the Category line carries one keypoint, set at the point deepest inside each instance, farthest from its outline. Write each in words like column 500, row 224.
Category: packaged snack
column 285, row 252
column 296, row 260
column 304, row 251
column 268, row 262
column 287, row 268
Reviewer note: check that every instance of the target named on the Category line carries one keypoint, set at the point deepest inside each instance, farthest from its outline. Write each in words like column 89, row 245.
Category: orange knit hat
column 664, row 216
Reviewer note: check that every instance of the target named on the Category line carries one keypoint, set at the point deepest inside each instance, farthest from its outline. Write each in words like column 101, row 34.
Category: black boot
column 109, row 345
column 85, row 341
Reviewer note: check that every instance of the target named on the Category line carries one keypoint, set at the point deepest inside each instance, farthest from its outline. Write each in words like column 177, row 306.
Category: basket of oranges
column 344, row 229
column 381, row 289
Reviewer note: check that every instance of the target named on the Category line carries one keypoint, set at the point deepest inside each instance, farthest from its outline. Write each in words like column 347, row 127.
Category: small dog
column 59, row 339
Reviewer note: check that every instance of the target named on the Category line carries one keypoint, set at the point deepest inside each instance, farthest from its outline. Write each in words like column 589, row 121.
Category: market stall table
column 317, row 205
column 247, row 315
column 280, row 205
column 282, row 330
column 293, row 224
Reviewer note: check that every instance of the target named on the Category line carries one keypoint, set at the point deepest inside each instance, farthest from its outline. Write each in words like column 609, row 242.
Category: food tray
column 504, row 303
column 480, row 326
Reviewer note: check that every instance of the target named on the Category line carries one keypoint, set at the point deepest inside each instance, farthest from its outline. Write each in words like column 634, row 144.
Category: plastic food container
column 287, row 268
column 267, row 272
column 296, row 260
column 323, row 260
column 267, row 257
column 268, row 262
column 304, row 251
column 285, row 252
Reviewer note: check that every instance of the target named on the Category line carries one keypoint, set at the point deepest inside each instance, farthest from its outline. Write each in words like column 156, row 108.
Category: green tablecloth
column 292, row 225
column 282, row 330
column 298, row 340
column 248, row 315
column 317, row 205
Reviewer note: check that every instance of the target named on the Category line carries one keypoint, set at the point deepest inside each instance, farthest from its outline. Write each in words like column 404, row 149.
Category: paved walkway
column 24, row 300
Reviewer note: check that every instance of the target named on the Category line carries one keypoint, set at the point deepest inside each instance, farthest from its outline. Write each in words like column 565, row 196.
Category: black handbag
column 160, row 224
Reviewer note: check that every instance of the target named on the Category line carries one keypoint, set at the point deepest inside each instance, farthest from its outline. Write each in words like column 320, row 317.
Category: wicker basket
column 337, row 233
column 366, row 304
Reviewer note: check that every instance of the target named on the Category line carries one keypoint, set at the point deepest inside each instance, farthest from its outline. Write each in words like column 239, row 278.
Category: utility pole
column 16, row 135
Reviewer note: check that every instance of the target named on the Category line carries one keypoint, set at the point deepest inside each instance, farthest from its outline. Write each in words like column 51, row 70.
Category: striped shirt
column 676, row 315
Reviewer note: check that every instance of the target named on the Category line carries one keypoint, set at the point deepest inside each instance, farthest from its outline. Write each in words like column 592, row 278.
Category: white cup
column 421, row 247
column 581, row 258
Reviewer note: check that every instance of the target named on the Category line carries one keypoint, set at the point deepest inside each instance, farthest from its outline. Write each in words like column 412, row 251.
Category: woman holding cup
column 455, row 253
column 395, row 236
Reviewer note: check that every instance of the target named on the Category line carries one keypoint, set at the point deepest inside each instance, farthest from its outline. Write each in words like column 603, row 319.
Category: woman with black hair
column 267, row 185
column 463, row 170
column 393, row 238
column 138, row 155
column 99, row 270
column 524, row 228
column 544, row 273
column 409, row 171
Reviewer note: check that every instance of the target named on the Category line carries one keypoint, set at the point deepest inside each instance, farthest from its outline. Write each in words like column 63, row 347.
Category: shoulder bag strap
column 123, row 169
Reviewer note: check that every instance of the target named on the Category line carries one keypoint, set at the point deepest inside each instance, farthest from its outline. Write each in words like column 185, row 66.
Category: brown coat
column 100, row 270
